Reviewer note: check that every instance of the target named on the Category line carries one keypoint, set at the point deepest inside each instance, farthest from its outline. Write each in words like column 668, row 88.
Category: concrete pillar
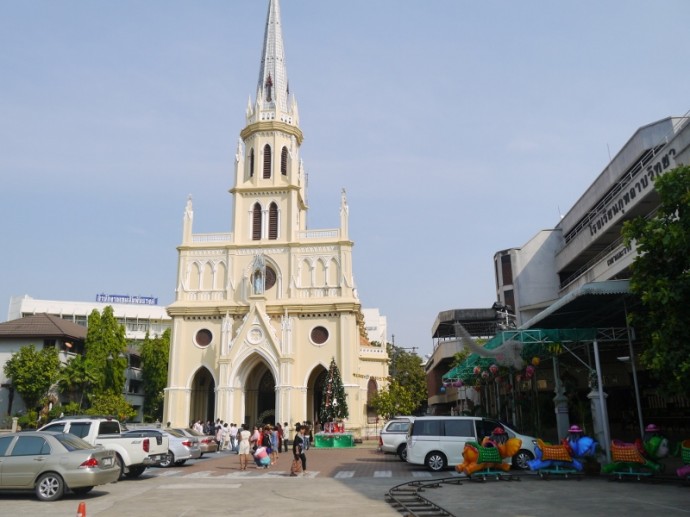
column 598, row 409
column 560, row 402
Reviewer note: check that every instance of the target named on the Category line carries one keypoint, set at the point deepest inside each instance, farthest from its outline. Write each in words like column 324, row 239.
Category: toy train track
column 407, row 498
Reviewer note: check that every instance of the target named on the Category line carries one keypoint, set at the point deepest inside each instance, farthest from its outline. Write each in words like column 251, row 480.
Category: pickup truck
column 133, row 454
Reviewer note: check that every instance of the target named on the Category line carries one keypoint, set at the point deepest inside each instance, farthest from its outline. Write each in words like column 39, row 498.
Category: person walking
column 286, row 436
column 298, row 449
column 225, row 436
column 233, row 437
column 243, row 449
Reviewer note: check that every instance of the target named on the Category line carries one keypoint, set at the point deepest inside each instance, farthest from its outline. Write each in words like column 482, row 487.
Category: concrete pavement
column 350, row 482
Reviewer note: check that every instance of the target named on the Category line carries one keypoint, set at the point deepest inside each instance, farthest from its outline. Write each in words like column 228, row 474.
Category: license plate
column 108, row 462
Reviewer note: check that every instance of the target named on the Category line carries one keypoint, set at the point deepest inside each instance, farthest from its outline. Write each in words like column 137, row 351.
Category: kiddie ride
column 565, row 459
column 639, row 459
column 487, row 459
column 684, row 471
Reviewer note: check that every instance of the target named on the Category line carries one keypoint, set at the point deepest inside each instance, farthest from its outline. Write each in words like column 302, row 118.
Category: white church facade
column 261, row 311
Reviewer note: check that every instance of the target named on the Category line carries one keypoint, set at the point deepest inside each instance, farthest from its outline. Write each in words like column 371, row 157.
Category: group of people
column 267, row 439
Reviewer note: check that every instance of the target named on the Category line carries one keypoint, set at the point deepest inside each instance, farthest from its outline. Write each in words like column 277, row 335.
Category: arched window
column 283, row 161
column 267, row 161
column 256, row 222
column 273, row 221
column 372, row 391
column 251, row 163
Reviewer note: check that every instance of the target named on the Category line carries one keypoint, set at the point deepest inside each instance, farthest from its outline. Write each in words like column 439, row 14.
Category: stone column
column 560, row 402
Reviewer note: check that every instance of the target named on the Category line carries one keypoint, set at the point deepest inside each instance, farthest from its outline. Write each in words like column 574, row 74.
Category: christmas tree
column 334, row 405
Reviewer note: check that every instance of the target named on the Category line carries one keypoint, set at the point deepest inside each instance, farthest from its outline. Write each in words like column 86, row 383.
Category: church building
column 260, row 312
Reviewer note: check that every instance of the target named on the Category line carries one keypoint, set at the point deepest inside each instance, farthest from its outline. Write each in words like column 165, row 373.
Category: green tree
column 155, row 354
column 661, row 278
column 406, row 370
column 33, row 373
column 334, row 405
column 111, row 404
column 76, row 379
column 395, row 400
column 406, row 393
column 106, row 349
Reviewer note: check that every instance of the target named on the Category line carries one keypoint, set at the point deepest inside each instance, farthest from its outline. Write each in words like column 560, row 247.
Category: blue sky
column 457, row 128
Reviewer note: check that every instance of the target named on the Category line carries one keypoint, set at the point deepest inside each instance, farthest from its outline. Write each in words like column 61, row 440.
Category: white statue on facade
column 259, row 274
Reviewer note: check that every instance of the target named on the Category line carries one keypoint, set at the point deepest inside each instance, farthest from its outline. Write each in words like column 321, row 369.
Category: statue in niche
column 259, row 274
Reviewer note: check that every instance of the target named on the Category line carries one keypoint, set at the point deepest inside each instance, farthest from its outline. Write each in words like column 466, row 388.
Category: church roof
column 273, row 84
column 42, row 326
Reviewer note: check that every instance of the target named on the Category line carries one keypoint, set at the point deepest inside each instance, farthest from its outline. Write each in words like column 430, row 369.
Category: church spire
column 272, row 90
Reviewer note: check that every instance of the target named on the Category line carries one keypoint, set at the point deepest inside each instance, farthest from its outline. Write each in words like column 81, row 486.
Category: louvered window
column 283, row 161
column 267, row 161
column 251, row 163
column 273, row 221
column 256, row 222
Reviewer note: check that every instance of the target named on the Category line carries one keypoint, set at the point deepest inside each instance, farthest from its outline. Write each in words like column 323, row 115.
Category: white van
column 438, row 441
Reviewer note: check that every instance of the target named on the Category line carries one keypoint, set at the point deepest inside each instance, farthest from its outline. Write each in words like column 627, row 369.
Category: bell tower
column 269, row 192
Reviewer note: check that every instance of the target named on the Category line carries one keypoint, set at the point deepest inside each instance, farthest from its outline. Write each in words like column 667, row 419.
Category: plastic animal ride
column 554, row 459
column 486, row 459
column 629, row 461
column 684, row 471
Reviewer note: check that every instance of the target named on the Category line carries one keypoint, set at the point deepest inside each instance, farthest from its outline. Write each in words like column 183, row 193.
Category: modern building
column 262, row 309
column 576, row 276
column 41, row 331
column 137, row 314
column 586, row 245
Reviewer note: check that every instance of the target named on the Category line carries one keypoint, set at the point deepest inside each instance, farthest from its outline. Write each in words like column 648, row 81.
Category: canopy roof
column 536, row 343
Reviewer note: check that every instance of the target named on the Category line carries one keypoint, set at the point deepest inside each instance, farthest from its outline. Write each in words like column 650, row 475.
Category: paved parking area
column 354, row 482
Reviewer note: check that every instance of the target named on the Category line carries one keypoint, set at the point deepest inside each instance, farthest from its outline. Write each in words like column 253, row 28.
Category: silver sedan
column 51, row 464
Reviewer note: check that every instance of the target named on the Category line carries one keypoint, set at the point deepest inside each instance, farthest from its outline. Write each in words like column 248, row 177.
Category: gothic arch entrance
column 260, row 395
column 203, row 397
column 317, row 379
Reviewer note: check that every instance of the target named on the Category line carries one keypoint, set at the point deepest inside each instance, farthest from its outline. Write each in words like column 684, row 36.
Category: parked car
column 206, row 443
column 393, row 436
column 133, row 454
column 51, row 464
column 180, row 447
column 438, row 442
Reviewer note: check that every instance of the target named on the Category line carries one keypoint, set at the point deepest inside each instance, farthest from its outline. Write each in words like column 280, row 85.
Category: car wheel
column 82, row 490
column 120, row 465
column 402, row 451
column 435, row 461
column 50, row 487
column 168, row 461
column 521, row 458
column 135, row 472
column 201, row 455
column 181, row 462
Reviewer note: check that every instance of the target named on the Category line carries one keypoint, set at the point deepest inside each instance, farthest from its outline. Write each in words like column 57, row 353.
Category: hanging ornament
column 477, row 370
column 443, row 389
column 335, row 402
column 457, row 384
column 535, row 361
column 493, row 369
column 485, row 375
column 529, row 372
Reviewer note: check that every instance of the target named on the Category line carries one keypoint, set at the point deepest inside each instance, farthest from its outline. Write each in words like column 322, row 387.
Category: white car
column 438, row 441
column 393, row 436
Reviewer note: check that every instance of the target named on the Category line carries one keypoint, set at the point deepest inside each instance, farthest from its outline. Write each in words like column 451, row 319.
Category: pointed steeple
column 272, row 93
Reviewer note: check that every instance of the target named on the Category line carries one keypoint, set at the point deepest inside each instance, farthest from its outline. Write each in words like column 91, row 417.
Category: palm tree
column 77, row 377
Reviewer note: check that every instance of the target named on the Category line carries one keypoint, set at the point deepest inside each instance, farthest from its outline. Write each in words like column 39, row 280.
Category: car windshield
column 71, row 442
column 176, row 433
column 191, row 432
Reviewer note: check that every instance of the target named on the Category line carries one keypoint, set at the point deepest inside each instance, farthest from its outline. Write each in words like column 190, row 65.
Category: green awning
column 540, row 343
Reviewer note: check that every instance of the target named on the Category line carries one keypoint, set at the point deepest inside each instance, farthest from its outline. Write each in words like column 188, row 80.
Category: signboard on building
column 126, row 298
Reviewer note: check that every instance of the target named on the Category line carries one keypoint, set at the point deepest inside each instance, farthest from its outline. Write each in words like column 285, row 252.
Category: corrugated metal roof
column 42, row 326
